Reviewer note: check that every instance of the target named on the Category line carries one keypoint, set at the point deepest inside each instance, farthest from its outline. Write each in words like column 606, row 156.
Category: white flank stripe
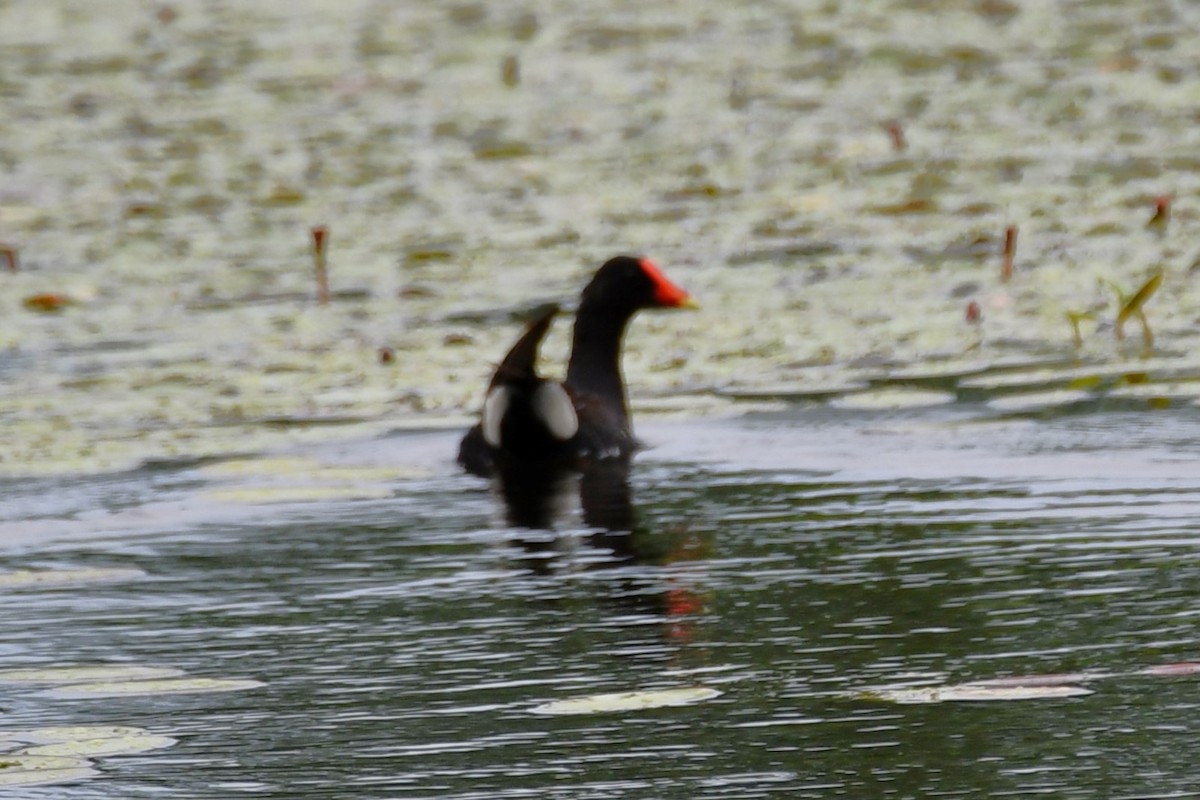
column 553, row 406
column 494, row 408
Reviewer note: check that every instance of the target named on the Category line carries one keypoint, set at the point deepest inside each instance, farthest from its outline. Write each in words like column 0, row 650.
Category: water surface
column 853, row 486
column 790, row 561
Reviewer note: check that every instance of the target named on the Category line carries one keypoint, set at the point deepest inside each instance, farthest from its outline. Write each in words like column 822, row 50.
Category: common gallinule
column 529, row 419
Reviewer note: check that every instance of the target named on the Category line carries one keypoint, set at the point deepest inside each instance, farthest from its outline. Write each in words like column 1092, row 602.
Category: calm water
column 787, row 560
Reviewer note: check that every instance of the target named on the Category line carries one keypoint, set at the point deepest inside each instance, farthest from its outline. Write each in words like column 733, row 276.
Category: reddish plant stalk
column 1010, row 250
column 320, row 236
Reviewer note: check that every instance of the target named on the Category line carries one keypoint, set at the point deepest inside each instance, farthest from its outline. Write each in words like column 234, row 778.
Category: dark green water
column 788, row 561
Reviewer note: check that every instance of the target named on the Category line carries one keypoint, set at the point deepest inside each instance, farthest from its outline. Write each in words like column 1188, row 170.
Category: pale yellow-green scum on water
column 164, row 164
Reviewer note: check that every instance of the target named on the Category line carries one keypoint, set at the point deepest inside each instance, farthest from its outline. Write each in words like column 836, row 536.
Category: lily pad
column 974, row 693
column 893, row 399
column 797, row 391
column 102, row 746
column 1179, row 669
column 1039, row 401
column 239, row 467
column 88, row 691
column 279, row 468
column 1057, row 679
column 19, row 769
column 300, row 494
column 70, row 733
column 88, row 674
column 53, row 578
column 628, row 701
column 1167, row 390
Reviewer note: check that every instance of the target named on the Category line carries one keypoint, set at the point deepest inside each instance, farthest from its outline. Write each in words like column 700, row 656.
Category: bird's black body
column 531, row 421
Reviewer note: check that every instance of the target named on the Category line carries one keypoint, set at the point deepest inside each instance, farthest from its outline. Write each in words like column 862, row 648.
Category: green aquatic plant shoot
column 1133, row 308
column 1075, row 317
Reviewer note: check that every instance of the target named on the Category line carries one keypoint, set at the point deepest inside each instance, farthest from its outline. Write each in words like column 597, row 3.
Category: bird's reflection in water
column 538, row 499
column 540, row 496
column 541, row 499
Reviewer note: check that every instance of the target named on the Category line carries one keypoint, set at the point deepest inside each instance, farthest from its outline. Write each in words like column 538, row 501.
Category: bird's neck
column 595, row 364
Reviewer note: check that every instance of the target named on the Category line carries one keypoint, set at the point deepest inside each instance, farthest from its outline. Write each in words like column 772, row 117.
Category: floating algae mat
column 185, row 318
